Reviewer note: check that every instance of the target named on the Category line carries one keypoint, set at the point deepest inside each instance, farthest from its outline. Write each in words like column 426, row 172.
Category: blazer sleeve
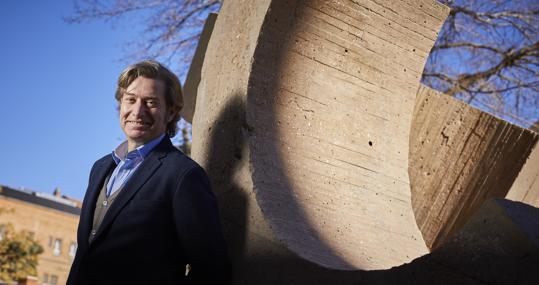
column 198, row 227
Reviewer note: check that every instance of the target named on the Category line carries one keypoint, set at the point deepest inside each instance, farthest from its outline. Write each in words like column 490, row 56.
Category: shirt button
column 105, row 203
column 93, row 232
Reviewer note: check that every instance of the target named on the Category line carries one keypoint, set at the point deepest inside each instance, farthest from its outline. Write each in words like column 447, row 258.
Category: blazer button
column 105, row 203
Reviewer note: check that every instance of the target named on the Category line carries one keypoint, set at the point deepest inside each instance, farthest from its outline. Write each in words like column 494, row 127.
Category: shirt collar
column 121, row 154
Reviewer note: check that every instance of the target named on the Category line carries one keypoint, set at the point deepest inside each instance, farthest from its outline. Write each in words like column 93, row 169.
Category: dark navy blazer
column 165, row 217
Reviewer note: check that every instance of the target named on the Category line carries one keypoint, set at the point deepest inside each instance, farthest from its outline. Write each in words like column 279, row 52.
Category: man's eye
column 129, row 100
column 151, row 103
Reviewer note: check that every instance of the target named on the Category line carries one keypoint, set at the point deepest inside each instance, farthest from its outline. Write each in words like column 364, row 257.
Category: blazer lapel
column 102, row 169
column 139, row 178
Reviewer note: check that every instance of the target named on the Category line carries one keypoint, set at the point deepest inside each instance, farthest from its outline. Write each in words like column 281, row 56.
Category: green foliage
column 19, row 253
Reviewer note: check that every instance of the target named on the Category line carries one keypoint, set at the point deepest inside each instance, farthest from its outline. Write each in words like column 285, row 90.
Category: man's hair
column 155, row 70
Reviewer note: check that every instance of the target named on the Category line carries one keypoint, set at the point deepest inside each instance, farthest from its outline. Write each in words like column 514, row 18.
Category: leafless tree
column 171, row 28
column 488, row 55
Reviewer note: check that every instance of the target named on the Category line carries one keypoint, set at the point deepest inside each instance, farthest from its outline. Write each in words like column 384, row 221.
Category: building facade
column 52, row 220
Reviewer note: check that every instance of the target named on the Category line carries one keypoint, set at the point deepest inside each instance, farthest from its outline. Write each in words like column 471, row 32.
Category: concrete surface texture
column 526, row 187
column 459, row 158
column 192, row 80
column 302, row 120
column 497, row 245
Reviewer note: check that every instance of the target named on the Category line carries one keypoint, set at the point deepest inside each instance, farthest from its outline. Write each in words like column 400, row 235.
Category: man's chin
column 141, row 137
column 137, row 131
column 137, row 136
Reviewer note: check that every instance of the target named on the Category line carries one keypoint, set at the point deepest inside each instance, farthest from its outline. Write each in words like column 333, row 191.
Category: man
column 149, row 215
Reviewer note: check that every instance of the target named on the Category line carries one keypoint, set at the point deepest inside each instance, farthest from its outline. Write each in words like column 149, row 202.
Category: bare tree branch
column 170, row 29
column 488, row 54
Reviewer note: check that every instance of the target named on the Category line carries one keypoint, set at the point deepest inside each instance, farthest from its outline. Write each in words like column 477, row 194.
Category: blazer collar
column 148, row 167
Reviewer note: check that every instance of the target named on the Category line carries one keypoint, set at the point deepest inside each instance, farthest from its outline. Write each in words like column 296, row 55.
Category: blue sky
column 57, row 84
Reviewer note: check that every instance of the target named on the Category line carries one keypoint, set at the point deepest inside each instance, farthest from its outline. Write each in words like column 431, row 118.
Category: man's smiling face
column 143, row 114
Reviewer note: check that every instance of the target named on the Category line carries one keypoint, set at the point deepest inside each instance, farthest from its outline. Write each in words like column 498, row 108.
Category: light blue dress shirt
column 127, row 163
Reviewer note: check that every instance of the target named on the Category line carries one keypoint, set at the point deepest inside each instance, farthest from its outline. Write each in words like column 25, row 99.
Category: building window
column 45, row 278
column 50, row 241
column 73, row 249
column 57, row 249
column 54, row 280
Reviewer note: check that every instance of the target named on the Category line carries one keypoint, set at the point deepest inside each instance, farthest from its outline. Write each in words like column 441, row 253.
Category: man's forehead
column 145, row 85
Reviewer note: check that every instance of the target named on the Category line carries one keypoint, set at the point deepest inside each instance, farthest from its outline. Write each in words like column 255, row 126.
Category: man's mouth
column 138, row 123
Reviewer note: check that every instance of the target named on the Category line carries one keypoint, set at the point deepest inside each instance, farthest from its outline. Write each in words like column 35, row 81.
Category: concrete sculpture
column 526, row 187
column 190, row 86
column 326, row 91
column 302, row 120
column 459, row 158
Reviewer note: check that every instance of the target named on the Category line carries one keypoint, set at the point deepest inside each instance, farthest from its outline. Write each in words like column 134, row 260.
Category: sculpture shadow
column 266, row 259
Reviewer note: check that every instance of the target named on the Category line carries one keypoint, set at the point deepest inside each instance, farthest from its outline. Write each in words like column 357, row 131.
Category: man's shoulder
column 176, row 165
column 180, row 159
column 105, row 159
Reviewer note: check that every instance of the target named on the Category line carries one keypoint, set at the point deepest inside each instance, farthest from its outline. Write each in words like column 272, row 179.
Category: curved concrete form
column 459, row 158
column 303, row 119
column 190, row 88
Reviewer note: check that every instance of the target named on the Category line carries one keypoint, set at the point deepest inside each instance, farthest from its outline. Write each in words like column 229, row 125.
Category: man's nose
column 138, row 108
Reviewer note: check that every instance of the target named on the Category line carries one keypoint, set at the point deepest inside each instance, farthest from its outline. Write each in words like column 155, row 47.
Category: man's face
column 143, row 114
